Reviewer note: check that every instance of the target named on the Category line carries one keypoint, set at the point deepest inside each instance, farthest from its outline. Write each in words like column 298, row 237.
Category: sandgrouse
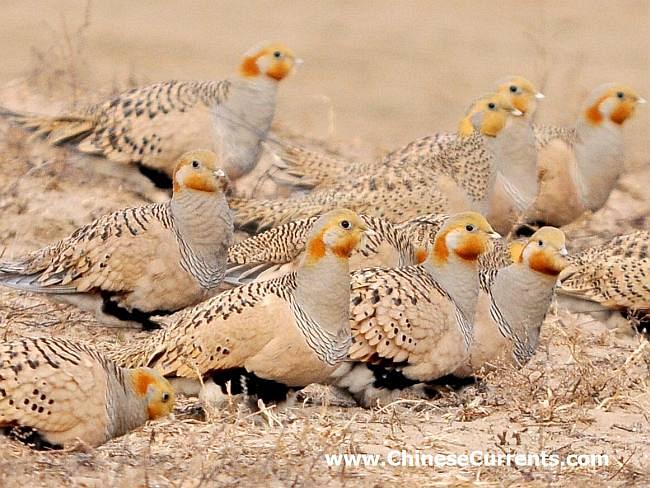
column 54, row 392
column 457, row 179
column 612, row 277
column 414, row 324
column 138, row 262
column 152, row 126
column 579, row 167
column 264, row 339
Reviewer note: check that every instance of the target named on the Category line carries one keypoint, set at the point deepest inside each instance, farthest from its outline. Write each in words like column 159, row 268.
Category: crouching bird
column 132, row 264
column 55, row 392
column 269, row 338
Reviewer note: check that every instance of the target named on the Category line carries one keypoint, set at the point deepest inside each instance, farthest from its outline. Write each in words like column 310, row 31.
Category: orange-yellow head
column 488, row 115
column 156, row 390
column 273, row 60
column 545, row 251
column 199, row 171
column 337, row 233
column 611, row 101
column 523, row 95
column 467, row 235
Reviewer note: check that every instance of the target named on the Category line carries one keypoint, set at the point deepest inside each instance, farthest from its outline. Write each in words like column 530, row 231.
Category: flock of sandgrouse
column 374, row 277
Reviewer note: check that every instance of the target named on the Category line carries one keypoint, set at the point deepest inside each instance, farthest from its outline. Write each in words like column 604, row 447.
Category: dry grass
column 586, row 391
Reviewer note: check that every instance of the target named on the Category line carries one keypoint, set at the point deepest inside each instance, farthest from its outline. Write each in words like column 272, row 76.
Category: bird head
column 338, row 232
column 522, row 94
column 545, row 251
column 465, row 234
column 488, row 115
column 611, row 101
column 199, row 171
column 273, row 60
column 156, row 390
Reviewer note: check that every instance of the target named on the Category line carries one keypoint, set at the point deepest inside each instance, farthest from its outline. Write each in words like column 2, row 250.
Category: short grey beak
column 641, row 100
column 539, row 95
column 517, row 113
column 563, row 251
column 298, row 62
column 494, row 235
column 219, row 173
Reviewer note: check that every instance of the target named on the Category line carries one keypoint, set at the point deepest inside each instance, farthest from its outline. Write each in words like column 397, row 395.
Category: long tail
column 302, row 168
column 56, row 129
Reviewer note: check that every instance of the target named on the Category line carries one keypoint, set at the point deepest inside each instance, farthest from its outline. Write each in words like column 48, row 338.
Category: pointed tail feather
column 304, row 168
column 57, row 129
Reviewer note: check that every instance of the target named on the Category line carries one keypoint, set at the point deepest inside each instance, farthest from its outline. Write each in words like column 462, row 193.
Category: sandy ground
column 377, row 74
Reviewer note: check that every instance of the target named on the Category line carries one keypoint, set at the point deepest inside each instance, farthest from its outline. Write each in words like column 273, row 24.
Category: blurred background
column 388, row 71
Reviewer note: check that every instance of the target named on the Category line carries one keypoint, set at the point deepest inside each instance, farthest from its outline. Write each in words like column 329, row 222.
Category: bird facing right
column 264, row 339
column 132, row 264
column 55, row 392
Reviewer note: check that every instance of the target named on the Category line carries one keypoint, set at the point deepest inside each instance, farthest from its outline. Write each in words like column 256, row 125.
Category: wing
column 401, row 317
column 616, row 274
column 52, row 386
column 154, row 125
column 109, row 254
column 547, row 133
column 220, row 333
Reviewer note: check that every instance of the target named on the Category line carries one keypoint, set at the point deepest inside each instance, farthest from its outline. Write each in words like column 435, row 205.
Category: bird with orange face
column 56, row 392
column 579, row 167
column 457, row 179
column 507, row 330
column 152, row 126
column 304, row 168
column 415, row 324
column 132, row 264
column 264, row 339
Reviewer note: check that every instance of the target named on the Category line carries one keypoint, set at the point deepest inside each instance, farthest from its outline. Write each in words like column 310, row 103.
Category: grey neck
column 127, row 410
column 516, row 161
column 203, row 226
column 459, row 278
column 322, row 302
column 600, row 158
column 520, row 300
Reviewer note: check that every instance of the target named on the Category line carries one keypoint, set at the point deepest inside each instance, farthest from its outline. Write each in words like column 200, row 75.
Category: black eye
column 277, row 54
column 345, row 224
column 165, row 397
column 195, row 163
column 513, row 89
column 620, row 95
column 492, row 105
column 540, row 243
column 469, row 228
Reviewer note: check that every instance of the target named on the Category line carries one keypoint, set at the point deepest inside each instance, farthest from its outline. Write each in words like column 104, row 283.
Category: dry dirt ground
column 377, row 75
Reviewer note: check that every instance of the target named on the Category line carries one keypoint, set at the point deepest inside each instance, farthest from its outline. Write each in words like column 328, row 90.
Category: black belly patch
column 29, row 436
column 111, row 307
column 247, row 383
column 159, row 178
column 390, row 378
column 640, row 320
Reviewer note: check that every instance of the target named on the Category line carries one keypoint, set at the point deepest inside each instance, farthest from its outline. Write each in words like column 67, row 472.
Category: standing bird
column 264, row 339
column 609, row 278
column 54, row 392
column 578, row 168
column 457, row 179
column 304, row 168
column 138, row 262
column 414, row 324
column 513, row 302
column 154, row 125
